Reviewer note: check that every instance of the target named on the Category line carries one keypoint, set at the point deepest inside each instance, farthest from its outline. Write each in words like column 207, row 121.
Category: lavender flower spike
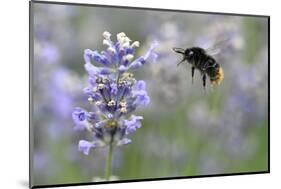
column 114, row 92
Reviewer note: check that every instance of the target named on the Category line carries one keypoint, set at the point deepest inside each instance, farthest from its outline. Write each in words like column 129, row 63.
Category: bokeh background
column 186, row 131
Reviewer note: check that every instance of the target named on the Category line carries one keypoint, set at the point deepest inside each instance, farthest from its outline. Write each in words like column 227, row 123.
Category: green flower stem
column 108, row 163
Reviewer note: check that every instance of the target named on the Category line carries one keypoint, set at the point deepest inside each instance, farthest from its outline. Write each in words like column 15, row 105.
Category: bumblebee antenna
column 178, row 50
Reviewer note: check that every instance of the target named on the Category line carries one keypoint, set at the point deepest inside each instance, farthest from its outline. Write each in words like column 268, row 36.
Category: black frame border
column 31, row 55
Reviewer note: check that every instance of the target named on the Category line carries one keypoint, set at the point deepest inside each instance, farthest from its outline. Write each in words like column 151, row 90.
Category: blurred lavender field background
column 185, row 131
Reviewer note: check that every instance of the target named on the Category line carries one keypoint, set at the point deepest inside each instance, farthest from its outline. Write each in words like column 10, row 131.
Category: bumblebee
column 202, row 61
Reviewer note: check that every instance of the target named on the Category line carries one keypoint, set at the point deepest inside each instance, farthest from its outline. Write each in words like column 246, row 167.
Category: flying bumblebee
column 201, row 60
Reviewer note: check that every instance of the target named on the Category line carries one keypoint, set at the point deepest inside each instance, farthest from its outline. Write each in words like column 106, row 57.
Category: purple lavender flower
column 114, row 93
column 80, row 118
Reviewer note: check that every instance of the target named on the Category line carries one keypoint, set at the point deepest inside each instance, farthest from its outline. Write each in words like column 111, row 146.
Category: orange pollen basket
column 219, row 77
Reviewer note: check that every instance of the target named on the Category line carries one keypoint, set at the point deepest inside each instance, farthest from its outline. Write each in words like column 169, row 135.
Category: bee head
column 188, row 53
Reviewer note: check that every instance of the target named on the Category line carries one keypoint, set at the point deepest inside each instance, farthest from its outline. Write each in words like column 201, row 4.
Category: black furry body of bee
column 206, row 64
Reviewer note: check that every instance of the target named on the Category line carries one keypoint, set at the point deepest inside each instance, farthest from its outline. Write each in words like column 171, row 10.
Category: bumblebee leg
column 204, row 80
column 192, row 73
column 181, row 61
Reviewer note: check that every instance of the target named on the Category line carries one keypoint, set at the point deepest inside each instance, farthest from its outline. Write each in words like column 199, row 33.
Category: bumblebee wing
column 218, row 46
column 213, row 52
